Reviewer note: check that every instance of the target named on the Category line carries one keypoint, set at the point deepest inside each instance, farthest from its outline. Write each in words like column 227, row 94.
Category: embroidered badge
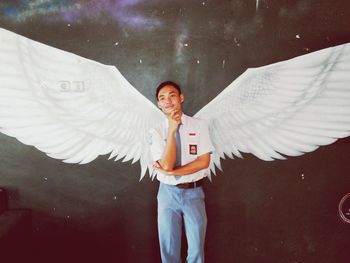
column 193, row 149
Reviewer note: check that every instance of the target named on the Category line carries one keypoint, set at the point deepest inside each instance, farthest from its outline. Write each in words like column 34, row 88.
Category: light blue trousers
column 175, row 204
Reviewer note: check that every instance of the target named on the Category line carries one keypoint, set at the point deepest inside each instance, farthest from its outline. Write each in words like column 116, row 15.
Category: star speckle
column 236, row 41
column 257, row 3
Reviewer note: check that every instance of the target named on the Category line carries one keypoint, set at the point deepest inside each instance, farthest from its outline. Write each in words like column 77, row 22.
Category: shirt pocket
column 192, row 144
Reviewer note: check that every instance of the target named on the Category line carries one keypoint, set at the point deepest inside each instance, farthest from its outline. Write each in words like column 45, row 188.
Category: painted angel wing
column 70, row 107
column 283, row 109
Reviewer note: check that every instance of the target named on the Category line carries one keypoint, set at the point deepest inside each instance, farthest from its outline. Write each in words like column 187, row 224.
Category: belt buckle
column 184, row 185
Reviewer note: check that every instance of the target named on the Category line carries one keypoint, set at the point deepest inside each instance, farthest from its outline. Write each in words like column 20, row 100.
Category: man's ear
column 182, row 98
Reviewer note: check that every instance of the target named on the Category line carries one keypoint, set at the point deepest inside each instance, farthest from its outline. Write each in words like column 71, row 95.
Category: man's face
column 169, row 100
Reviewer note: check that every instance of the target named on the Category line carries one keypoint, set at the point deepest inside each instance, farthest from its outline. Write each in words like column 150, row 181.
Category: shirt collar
column 184, row 120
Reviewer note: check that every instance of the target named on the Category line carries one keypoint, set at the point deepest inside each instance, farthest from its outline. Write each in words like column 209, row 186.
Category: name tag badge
column 193, row 149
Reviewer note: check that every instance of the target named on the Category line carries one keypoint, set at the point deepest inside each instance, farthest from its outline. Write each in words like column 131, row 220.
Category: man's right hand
column 174, row 120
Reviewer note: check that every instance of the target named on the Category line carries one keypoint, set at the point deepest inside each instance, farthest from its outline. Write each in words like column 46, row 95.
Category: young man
column 181, row 150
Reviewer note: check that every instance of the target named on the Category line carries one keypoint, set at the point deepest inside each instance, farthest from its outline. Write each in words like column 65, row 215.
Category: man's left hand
column 160, row 169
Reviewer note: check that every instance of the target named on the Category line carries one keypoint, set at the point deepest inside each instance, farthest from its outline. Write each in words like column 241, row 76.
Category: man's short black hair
column 167, row 83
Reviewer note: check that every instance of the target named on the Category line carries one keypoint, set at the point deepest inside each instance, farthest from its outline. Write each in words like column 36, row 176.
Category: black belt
column 190, row 185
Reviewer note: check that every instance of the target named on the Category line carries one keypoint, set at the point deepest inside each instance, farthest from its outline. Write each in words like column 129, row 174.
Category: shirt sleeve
column 205, row 143
column 156, row 144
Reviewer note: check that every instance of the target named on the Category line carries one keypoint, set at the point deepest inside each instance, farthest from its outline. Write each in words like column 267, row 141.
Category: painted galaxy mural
column 281, row 211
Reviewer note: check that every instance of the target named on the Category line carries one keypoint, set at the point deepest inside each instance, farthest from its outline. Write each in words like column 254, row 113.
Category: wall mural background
column 281, row 211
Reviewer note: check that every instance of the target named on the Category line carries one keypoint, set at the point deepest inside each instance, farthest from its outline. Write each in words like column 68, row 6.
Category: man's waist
column 190, row 185
column 174, row 180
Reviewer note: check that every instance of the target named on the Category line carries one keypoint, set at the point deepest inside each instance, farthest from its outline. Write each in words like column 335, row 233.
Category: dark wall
column 281, row 211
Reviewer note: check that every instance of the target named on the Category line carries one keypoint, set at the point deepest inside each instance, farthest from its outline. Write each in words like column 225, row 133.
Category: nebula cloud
column 124, row 12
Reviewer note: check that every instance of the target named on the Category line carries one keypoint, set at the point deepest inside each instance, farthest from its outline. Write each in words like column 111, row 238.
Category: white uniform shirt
column 195, row 141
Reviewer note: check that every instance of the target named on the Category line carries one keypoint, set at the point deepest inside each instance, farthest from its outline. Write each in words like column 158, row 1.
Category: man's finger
column 156, row 165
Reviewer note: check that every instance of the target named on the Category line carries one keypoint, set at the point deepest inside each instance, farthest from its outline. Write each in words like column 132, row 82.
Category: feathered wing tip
column 146, row 167
column 209, row 176
column 153, row 173
column 212, row 168
column 283, row 109
column 217, row 162
column 147, row 163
